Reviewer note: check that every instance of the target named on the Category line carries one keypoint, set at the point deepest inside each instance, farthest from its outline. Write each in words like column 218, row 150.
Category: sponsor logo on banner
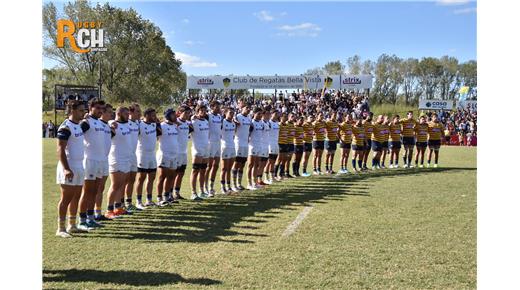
column 83, row 36
column 205, row 82
column 226, row 82
column 472, row 105
column 435, row 105
column 351, row 81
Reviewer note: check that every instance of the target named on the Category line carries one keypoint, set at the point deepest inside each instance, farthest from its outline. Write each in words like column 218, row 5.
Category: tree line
column 408, row 79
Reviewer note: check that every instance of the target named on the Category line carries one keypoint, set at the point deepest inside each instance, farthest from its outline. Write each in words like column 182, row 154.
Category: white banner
column 280, row 82
column 464, row 105
column 435, row 105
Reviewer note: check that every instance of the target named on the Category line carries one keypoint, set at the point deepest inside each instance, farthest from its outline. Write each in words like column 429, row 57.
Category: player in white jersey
column 70, row 172
column 228, row 150
column 243, row 122
column 215, row 132
column 167, row 158
column 254, row 173
column 274, row 126
column 119, row 163
column 149, row 130
column 199, row 129
column 264, row 155
column 94, row 141
column 182, row 155
column 108, row 114
column 133, row 124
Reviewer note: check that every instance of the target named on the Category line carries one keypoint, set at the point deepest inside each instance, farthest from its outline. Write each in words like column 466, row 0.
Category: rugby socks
column 295, row 168
column 234, row 173
column 139, row 199
column 110, row 208
column 72, row 221
column 82, row 217
column 276, row 168
column 149, row 198
column 228, row 185
column 90, row 215
column 117, row 205
column 211, row 184
column 360, row 163
column 97, row 213
column 239, row 176
column 128, row 202
column 354, row 164
column 223, row 185
column 61, row 224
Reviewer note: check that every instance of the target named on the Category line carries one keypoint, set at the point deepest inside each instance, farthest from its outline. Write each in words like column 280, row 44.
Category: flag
column 463, row 93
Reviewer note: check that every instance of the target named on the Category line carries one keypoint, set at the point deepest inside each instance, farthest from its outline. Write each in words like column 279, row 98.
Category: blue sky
column 291, row 37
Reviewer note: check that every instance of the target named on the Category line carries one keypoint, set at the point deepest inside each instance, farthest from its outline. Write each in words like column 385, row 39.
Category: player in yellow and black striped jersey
column 345, row 136
column 283, row 136
column 358, row 143
column 386, row 136
column 378, row 135
column 435, row 134
column 421, row 137
column 298, row 145
column 290, row 143
column 308, row 135
column 395, row 141
column 331, row 141
column 408, row 137
column 318, row 144
column 369, row 127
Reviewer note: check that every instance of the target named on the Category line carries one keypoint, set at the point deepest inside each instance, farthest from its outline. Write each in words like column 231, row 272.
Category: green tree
column 388, row 78
column 354, row 64
column 429, row 71
column 468, row 73
column 334, row 68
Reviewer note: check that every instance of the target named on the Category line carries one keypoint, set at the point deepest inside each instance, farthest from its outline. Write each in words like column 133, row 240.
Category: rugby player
column 408, row 134
column 291, row 133
column 274, row 149
column 369, row 128
column 70, row 174
column 254, row 173
column 94, row 162
column 183, row 129
column 215, row 133
column 133, row 124
column 108, row 115
column 331, row 141
column 149, row 130
column 298, row 145
column 308, row 134
column 199, row 129
column 377, row 142
column 435, row 134
column 228, row 150
column 243, row 123
column 358, row 144
column 119, row 163
column 318, row 143
column 264, row 153
column 395, row 142
column 385, row 131
column 345, row 133
column 283, row 146
column 421, row 135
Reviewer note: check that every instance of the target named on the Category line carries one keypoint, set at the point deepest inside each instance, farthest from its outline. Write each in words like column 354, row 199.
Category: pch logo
column 83, row 36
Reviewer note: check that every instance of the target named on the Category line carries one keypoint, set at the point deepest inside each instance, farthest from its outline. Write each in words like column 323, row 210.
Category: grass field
column 401, row 229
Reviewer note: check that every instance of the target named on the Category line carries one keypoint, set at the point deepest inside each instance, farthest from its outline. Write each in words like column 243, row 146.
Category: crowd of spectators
column 303, row 103
column 48, row 129
column 460, row 126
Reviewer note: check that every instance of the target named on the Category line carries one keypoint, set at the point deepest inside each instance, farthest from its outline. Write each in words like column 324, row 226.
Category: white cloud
column 465, row 10
column 193, row 42
column 452, row 2
column 264, row 16
column 185, row 21
column 303, row 29
column 267, row 16
column 194, row 61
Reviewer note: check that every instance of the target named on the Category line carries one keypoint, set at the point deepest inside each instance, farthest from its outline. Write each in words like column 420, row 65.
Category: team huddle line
column 123, row 145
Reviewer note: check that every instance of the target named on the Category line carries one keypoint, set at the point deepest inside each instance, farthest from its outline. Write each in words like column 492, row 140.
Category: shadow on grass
column 212, row 220
column 131, row 278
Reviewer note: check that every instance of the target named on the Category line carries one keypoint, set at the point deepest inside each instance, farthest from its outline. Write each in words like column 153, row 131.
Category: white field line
column 291, row 228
